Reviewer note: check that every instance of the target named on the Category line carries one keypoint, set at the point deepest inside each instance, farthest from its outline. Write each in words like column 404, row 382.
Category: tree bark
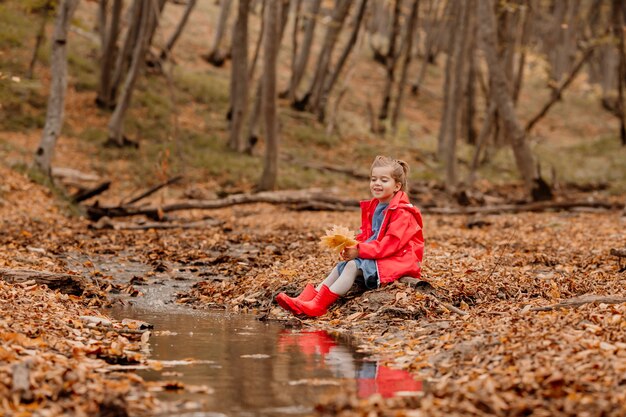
column 521, row 61
column 390, row 64
column 524, row 158
column 456, row 89
column 435, row 27
column 257, row 48
column 58, row 87
column 215, row 55
column 41, row 34
column 270, row 53
column 115, row 126
column 311, row 100
column 447, row 89
column 332, row 79
column 109, row 46
column 558, row 91
column 305, row 52
column 124, row 57
column 165, row 52
column 618, row 23
column 408, row 53
column 239, row 77
column 294, row 46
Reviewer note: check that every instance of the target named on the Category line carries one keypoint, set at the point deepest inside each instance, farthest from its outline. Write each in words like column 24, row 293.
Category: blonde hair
column 399, row 169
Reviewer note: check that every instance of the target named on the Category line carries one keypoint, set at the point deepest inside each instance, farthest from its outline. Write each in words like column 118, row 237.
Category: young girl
column 391, row 243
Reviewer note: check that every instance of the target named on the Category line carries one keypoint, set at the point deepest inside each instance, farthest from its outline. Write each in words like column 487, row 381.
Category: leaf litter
column 502, row 358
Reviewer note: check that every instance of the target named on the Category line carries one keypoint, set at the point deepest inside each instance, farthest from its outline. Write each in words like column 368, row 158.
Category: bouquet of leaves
column 337, row 238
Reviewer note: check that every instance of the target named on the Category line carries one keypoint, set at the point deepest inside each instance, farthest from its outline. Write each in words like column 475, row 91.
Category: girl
column 391, row 243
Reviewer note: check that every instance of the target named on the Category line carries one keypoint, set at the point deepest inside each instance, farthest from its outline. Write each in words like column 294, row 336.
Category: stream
column 239, row 365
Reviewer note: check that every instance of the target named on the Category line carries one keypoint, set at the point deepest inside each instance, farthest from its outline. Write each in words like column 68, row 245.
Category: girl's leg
column 344, row 282
column 330, row 279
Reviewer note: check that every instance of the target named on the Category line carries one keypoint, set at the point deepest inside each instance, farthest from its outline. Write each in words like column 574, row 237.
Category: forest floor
column 505, row 356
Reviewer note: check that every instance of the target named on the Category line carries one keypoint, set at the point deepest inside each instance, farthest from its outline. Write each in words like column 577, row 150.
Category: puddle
column 240, row 365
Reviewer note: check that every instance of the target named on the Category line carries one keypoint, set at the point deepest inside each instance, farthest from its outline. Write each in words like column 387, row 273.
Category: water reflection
column 253, row 368
column 343, row 362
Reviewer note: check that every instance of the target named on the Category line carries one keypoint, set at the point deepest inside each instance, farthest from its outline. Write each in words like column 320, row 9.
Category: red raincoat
column 399, row 247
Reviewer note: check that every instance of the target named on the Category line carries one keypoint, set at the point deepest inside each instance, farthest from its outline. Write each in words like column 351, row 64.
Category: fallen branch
column 91, row 192
column 118, row 330
column 65, row 283
column 517, row 208
column 425, row 288
column 273, row 197
column 107, row 223
column 585, row 299
column 152, row 190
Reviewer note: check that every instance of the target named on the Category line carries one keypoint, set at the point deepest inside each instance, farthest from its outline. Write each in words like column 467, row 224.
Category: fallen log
column 272, row 197
column 65, row 283
column 584, row 299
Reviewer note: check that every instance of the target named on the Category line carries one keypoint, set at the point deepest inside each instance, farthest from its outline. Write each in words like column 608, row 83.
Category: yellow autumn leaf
column 337, row 238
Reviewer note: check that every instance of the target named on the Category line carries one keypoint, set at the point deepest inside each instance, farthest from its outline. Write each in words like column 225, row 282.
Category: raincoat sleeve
column 402, row 229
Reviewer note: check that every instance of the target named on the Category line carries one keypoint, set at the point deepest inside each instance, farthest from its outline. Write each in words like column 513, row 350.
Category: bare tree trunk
column 390, row 64
column 523, row 155
column 257, row 48
column 115, row 126
column 450, row 141
column 312, row 98
column 102, row 21
column 41, row 34
column 124, row 57
column 305, row 52
column 435, row 27
column 408, row 53
column 165, row 52
column 294, row 46
column 469, row 91
column 215, row 55
column 558, row 90
column 521, row 62
column 105, row 98
column 618, row 23
column 270, row 53
column 447, row 89
column 239, row 77
column 58, row 86
column 332, row 79
column 257, row 107
column 485, row 130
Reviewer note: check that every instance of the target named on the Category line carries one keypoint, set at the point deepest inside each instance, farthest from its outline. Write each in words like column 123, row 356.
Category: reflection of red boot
column 317, row 341
column 319, row 305
column 310, row 343
column 287, row 302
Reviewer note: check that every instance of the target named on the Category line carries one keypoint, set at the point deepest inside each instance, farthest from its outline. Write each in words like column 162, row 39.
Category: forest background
column 354, row 80
column 500, row 108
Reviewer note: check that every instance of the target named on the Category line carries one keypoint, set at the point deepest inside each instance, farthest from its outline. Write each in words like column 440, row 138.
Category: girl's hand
column 350, row 253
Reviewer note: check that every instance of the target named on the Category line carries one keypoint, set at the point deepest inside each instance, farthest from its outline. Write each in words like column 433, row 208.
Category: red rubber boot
column 319, row 305
column 288, row 303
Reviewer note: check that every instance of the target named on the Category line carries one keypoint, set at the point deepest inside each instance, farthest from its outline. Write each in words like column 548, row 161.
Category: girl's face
column 382, row 185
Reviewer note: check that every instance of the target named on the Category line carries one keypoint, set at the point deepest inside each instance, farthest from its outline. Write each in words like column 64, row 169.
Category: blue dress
column 368, row 266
